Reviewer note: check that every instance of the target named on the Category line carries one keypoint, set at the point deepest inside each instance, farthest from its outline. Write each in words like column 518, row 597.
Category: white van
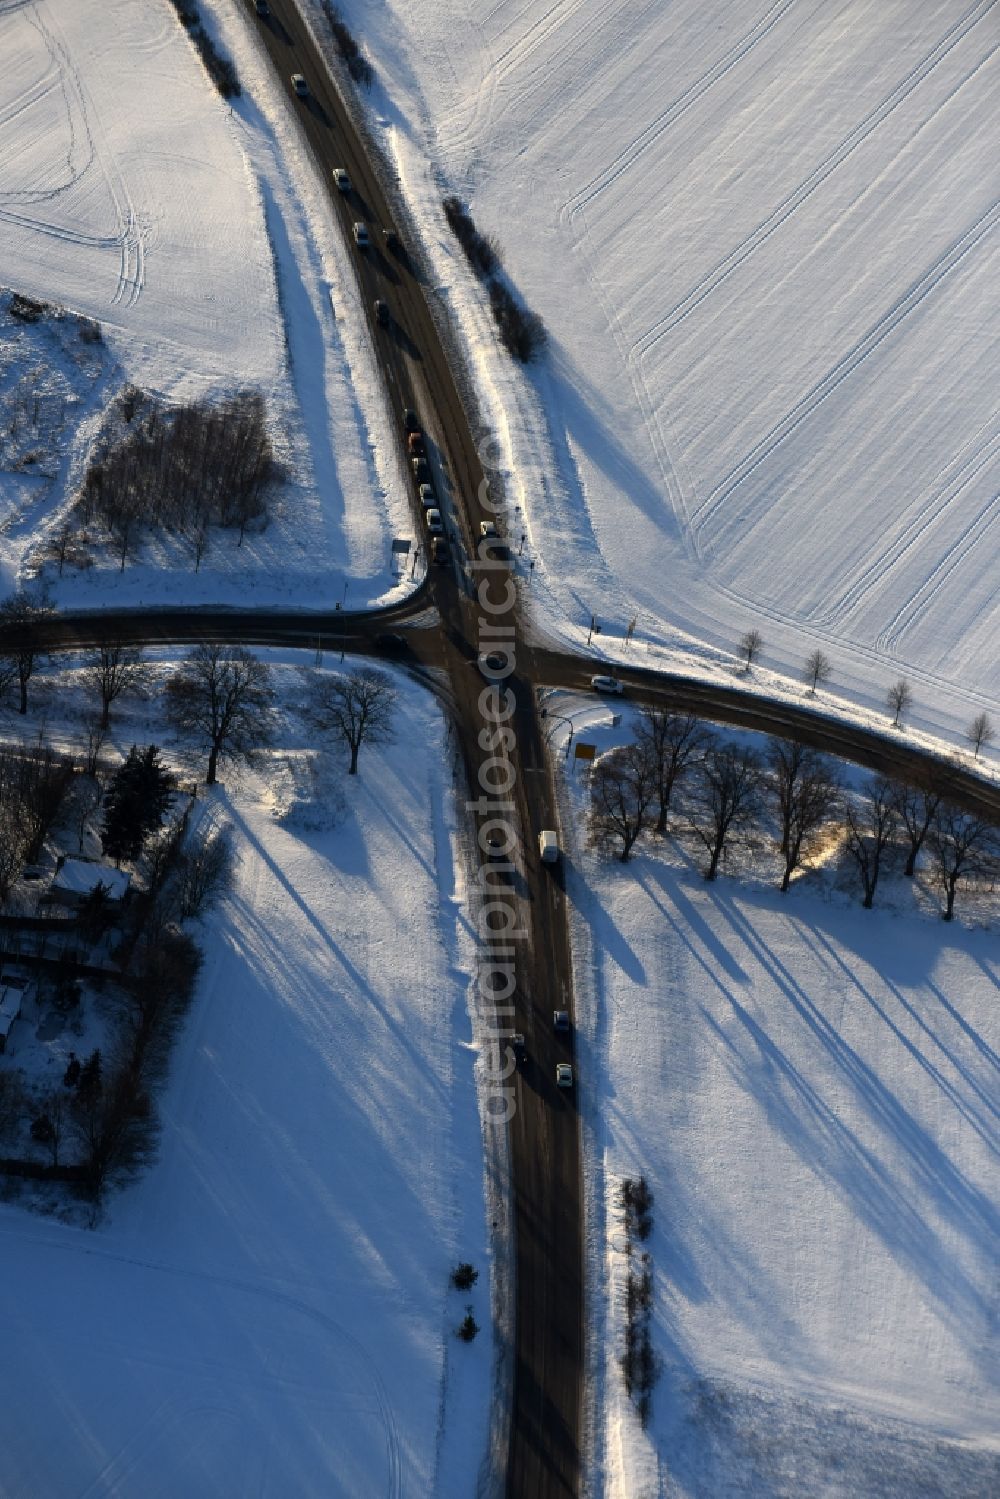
column 548, row 846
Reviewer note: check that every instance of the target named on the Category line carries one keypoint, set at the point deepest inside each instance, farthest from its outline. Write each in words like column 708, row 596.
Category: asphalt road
column 543, row 1455
column 440, row 629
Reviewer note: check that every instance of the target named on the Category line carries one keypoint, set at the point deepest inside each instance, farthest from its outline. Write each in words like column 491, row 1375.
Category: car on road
column 392, row 645
column 439, row 551
column 342, row 180
column 487, row 528
column 434, row 522
column 607, row 684
column 491, row 662
column 411, row 421
column 497, row 847
column 517, row 1041
column 381, row 312
column 427, row 496
column 421, row 470
column 564, row 1075
column 361, row 236
column 560, row 1020
column 299, row 85
column 392, row 242
column 262, row 8
column 415, row 444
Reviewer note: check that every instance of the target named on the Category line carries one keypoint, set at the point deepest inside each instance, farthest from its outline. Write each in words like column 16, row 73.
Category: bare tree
column 206, row 870
column 50, row 1124
column 899, row 698
column 88, row 796
column 980, row 732
column 96, row 735
column 964, row 846
column 200, row 542
column 673, row 742
column 224, row 695
column 359, row 706
column 751, row 645
column 806, row 793
column 818, row 670
column 60, row 545
column 870, row 827
column 112, row 670
column 622, row 789
column 916, row 801
column 729, row 798
column 20, row 616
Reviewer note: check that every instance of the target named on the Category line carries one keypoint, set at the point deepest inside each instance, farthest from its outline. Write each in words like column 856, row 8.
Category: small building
column 76, row 879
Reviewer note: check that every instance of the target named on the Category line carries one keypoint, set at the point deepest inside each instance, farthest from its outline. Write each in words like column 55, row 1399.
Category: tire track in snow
column 846, row 366
column 958, row 474
column 741, row 252
column 976, row 533
column 276, row 1297
column 128, row 237
column 637, row 147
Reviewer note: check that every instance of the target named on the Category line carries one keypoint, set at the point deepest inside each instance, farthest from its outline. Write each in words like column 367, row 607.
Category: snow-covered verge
column 200, row 239
column 761, row 237
column 267, row 1310
column 809, row 1089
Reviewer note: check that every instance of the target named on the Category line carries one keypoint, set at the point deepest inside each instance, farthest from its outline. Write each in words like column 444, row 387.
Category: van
column 548, row 846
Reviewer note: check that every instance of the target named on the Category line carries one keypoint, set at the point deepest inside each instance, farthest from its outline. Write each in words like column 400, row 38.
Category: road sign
column 584, row 751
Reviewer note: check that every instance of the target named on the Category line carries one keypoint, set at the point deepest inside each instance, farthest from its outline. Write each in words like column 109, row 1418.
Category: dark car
column 439, row 550
column 392, row 645
column 382, row 312
column 410, row 420
column 421, row 470
column 262, row 8
column 560, row 1020
column 392, row 242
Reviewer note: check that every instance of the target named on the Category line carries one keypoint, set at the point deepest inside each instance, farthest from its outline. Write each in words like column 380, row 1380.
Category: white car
column 435, row 524
column 342, row 180
column 607, row 684
column 299, row 85
column 427, row 496
column 564, row 1075
column 487, row 528
column 361, row 236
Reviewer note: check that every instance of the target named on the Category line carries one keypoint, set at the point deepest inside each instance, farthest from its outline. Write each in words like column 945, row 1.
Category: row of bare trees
column 182, row 470
column 818, row 668
column 729, row 790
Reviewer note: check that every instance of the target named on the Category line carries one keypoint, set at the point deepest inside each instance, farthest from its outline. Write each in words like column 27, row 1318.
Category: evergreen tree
column 138, row 797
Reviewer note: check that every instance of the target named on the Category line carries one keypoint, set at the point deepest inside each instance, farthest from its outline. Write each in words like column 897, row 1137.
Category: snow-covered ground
column 762, row 237
column 267, row 1311
column 198, row 236
column 810, row 1090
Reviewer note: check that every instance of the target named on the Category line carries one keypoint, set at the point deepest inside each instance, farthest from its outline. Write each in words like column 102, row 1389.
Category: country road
column 441, row 629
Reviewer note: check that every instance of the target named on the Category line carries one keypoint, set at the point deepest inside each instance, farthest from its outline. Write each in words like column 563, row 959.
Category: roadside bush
column 521, row 331
column 26, row 309
column 468, row 1327
column 464, row 1277
column 357, row 64
column 219, row 68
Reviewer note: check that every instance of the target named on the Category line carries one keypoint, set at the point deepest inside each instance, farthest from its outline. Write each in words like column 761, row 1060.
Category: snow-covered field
column 267, row 1311
column 762, row 237
column 199, row 238
column 810, row 1090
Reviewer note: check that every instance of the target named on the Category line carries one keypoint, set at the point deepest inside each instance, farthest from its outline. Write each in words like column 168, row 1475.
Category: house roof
column 79, row 877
